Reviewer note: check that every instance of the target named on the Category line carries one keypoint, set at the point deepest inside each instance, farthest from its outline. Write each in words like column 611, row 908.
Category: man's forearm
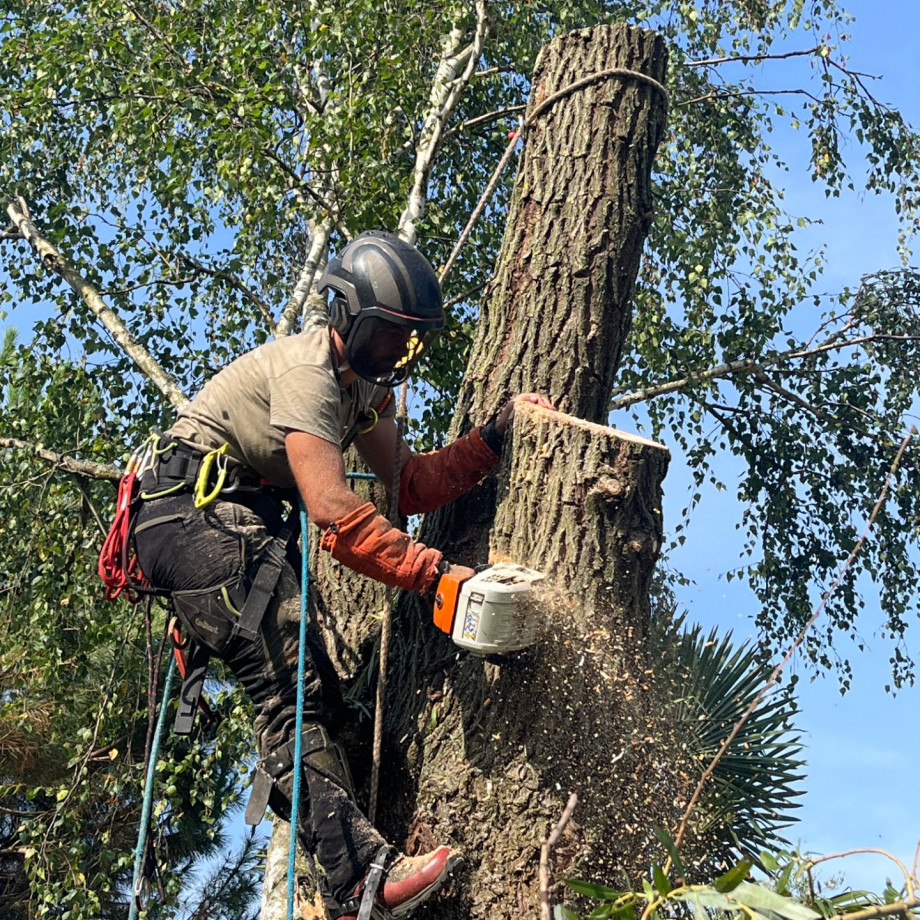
column 434, row 479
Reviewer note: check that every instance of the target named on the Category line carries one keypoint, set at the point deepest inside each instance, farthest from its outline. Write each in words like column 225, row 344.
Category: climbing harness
column 173, row 466
column 159, row 468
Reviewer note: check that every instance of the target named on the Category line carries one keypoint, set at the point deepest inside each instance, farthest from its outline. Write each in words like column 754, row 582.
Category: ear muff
column 339, row 315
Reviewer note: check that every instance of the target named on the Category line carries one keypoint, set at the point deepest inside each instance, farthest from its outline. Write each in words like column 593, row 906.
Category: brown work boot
column 408, row 882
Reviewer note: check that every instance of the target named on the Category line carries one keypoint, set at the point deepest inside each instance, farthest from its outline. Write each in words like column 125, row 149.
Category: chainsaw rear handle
column 446, row 600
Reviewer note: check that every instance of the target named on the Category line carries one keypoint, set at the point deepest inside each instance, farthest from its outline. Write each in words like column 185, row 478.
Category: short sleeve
column 306, row 398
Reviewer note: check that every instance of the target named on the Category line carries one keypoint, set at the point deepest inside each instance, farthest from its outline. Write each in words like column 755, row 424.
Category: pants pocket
column 210, row 616
column 182, row 548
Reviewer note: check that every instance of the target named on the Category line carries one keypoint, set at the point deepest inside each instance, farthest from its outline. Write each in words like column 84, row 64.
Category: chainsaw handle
column 447, row 596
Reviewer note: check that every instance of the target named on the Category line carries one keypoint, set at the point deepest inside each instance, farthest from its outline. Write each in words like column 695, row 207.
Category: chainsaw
column 489, row 613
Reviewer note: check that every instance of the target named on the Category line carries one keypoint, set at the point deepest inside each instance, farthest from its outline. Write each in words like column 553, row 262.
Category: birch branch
column 294, row 306
column 446, row 91
column 69, row 464
column 53, row 261
column 321, row 230
column 748, row 366
column 234, row 282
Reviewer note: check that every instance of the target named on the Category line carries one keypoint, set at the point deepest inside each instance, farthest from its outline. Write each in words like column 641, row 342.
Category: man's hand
column 504, row 417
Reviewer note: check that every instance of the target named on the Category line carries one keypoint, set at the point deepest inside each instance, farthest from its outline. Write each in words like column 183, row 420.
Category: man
column 210, row 531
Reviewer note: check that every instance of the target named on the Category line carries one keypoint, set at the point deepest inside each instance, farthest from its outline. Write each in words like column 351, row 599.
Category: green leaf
column 731, row 879
column 667, row 842
column 760, row 898
column 661, row 880
column 593, row 890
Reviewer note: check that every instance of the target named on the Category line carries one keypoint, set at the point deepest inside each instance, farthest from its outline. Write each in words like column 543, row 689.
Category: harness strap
column 196, row 667
column 374, row 877
column 318, row 752
column 263, row 585
column 364, row 900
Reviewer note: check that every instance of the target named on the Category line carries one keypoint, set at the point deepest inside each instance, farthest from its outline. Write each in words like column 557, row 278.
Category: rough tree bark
column 484, row 755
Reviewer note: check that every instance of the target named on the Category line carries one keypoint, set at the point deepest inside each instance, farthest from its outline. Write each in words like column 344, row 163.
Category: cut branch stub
column 582, row 502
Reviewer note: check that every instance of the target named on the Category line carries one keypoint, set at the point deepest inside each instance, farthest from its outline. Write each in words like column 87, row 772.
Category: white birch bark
column 451, row 80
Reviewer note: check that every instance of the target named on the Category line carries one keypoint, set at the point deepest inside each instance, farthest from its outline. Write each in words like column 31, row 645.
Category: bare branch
column 486, row 119
column 908, row 876
column 446, row 91
column 739, row 94
column 880, row 910
column 318, row 246
column 746, row 58
column 80, row 480
column 774, row 675
column 548, row 844
column 235, row 283
column 69, row 464
column 512, row 144
column 749, row 365
column 54, row 261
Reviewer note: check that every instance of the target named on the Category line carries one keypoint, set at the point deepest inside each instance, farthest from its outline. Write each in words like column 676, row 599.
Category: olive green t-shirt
column 287, row 384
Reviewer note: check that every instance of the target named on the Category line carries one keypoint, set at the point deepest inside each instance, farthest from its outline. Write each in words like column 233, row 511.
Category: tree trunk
column 485, row 754
column 481, row 754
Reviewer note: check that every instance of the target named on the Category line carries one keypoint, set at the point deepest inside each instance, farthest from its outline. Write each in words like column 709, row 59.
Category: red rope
column 118, row 567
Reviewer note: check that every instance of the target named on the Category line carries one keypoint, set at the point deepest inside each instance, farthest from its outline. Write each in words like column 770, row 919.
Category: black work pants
column 208, row 558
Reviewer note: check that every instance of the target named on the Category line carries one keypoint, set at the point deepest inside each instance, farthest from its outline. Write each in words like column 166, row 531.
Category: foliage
column 187, row 155
column 790, row 891
column 73, row 680
column 708, row 685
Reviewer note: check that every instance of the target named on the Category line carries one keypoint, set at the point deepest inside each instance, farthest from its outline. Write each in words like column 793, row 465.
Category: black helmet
column 386, row 305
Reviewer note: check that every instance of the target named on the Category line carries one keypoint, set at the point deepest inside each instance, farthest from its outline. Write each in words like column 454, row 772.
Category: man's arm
column 354, row 533
column 431, row 480
column 319, row 471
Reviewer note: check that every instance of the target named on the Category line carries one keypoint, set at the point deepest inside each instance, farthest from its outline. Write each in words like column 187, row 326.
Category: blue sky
column 862, row 749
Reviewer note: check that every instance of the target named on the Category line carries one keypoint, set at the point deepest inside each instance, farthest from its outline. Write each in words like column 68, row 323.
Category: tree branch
column 744, row 58
column 233, row 282
column 298, row 298
column 486, row 119
column 799, row 639
column 449, row 85
column 54, row 261
column 69, row 464
column 548, row 844
column 749, row 365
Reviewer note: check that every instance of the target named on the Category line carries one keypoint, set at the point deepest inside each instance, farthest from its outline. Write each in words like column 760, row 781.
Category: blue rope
column 298, row 720
column 148, row 791
column 301, row 672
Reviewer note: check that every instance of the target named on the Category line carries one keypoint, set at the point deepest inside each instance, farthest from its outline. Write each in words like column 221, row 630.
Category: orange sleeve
column 366, row 542
column 431, row 480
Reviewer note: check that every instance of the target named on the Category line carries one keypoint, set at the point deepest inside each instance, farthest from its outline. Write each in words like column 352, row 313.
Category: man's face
column 379, row 347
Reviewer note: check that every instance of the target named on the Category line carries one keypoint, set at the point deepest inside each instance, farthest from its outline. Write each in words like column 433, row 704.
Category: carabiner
column 203, row 498
column 372, row 422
